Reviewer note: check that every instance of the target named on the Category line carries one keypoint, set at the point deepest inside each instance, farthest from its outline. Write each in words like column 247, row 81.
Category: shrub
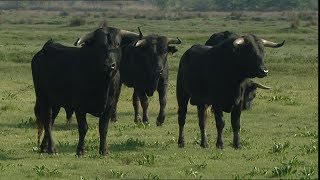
column 236, row 15
column 63, row 13
column 77, row 21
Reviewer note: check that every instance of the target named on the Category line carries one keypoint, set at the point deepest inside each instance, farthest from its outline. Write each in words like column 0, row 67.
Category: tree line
column 231, row 5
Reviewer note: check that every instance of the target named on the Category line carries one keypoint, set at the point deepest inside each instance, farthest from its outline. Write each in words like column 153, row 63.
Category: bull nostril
column 113, row 66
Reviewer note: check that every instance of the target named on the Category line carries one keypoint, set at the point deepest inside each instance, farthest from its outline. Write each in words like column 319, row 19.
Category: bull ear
column 172, row 49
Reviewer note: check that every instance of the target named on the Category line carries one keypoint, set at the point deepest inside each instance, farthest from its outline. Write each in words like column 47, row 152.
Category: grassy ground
column 279, row 135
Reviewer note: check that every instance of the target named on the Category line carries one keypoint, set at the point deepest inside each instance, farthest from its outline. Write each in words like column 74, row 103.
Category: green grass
column 279, row 135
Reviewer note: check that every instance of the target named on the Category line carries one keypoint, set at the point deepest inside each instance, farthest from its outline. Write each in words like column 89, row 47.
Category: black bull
column 212, row 75
column 144, row 67
column 82, row 79
column 249, row 86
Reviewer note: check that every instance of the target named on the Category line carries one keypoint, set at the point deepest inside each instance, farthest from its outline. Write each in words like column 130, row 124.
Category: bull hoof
column 159, row 123
column 236, row 146
column 103, row 152
column 204, row 145
column 219, row 145
column 160, row 120
column 80, row 151
column 137, row 118
column 180, row 143
column 52, row 150
column 114, row 120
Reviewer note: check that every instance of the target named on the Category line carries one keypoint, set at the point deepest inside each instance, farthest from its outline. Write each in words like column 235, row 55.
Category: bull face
column 153, row 51
column 250, row 48
column 108, row 39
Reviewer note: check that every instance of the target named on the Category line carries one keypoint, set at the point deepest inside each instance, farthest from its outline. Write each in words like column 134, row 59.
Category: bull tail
column 35, row 76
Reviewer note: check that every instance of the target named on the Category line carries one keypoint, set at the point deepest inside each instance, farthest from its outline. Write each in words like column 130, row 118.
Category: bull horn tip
column 76, row 43
column 281, row 44
column 179, row 40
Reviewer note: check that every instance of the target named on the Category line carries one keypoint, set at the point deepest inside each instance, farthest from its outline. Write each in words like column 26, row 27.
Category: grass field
column 279, row 135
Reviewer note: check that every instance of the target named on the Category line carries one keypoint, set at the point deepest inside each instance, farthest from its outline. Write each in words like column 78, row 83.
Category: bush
column 236, row 15
column 77, row 21
column 295, row 23
column 63, row 13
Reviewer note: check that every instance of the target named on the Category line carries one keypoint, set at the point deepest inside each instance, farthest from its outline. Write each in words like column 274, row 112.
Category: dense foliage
column 227, row 5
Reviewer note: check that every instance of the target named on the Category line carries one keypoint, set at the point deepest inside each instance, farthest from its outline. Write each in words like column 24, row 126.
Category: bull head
column 123, row 33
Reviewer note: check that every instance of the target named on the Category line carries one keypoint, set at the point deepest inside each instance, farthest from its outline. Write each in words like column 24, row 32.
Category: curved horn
column 140, row 33
column 238, row 42
column 140, row 42
column 125, row 33
column 83, row 39
column 174, row 41
column 261, row 86
column 272, row 44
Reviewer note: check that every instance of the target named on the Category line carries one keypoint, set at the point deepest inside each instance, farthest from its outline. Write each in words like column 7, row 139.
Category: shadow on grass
column 128, row 145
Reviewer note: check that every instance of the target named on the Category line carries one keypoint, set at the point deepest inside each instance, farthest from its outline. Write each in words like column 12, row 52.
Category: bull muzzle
column 262, row 73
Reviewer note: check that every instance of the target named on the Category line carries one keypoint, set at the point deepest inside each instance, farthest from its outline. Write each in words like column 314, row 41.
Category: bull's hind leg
column 82, row 129
column 218, row 114
column 235, row 122
column 136, row 105
column 183, row 100
column 162, row 90
column 202, row 115
column 47, row 145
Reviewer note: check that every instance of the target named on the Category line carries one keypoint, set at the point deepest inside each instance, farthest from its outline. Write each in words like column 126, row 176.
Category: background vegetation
column 279, row 135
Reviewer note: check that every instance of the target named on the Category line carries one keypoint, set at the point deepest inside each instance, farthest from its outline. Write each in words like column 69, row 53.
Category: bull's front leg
column 218, row 114
column 103, row 130
column 115, row 105
column 162, row 90
column 202, row 115
column 235, row 122
column 136, row 105
column 82, row 129
column 144, row 104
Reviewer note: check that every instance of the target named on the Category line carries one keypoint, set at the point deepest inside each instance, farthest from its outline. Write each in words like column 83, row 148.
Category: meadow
column 279, row 135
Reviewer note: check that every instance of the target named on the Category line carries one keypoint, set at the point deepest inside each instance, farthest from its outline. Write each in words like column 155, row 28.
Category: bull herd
column 88, row 79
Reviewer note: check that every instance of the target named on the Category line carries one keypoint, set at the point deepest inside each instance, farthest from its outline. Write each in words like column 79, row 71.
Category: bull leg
column 39, row 121
column 69, row 112
column 144, row 104
column 218, row 115
column 235, row 122
column 55, row 112
column 202, row 115
column 136, row 104
column 103, row 130
column 162, row 90
column 47, row 144
column 183, row 100
column 116, row 100
column 82, row 129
